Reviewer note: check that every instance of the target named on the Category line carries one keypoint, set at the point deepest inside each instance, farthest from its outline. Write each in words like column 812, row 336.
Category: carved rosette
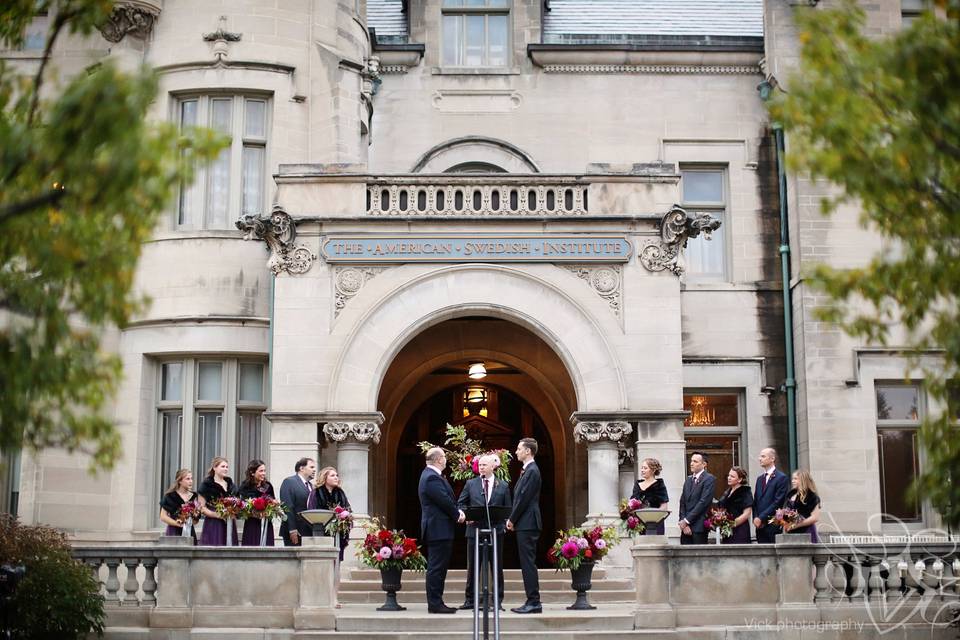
column 348, row 281
column 130, row 18
column 676, row 228
column 606, row 281
column 363, row 432
column 279, row 232
column 596, row 431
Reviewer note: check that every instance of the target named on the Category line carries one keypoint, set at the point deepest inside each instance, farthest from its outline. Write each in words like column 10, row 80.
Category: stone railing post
column 353, row 435
column 174, row 601
column 318, row 584
column 796, row 573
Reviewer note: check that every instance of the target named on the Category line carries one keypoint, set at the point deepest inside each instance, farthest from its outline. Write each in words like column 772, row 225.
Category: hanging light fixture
column 701, row 414
column 475, row 400
column 477, row 371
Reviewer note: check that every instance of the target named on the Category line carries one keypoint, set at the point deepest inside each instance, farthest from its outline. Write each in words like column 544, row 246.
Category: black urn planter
column 581, row 581
column 390, row 582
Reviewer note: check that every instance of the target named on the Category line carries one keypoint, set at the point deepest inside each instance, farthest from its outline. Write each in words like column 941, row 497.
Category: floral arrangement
column 231, row 507
column 629, row 521
column 384, row 548
column 189, row 511
column 576, row 546
column 264, row 508
column 719, row 520
column 341, row 523
column 785, row 518
column 464, row 453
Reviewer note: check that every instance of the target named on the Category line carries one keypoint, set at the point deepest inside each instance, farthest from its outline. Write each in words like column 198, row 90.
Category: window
column 910, row 10
column 704, row 191
column 10, row 481
column 234, row 183
column 714, row 428
column 899, row 414
column 476, row 33
column 220, row 415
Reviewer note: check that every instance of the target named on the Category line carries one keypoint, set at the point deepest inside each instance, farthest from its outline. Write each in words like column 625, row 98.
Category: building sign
column 478, row 248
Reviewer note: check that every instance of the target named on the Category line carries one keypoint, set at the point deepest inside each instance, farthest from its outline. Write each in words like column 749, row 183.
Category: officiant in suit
column 525, row 520
column 696, row 498
column 296, row 493
column 438, row 517
column 484, row 489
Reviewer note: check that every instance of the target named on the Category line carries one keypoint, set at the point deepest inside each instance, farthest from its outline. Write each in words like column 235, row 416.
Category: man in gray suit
column 695, row 500
column 297, row 494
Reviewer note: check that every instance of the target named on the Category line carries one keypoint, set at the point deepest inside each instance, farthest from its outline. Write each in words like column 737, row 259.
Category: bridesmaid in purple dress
column 256, row 485
column 804, row 499
column 180, row 493
column 215, row 486
column 738, row 501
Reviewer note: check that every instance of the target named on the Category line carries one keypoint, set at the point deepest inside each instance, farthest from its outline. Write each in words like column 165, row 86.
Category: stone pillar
column 603, row 465
column 353, row 439
column 628, row 467
column 292, row 436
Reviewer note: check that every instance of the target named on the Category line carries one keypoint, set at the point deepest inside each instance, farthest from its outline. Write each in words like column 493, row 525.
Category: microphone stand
column 489, row 558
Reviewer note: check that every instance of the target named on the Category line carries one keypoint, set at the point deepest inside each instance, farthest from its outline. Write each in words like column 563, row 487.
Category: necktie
column 311, row 496
column 486, row 490
column 696, row 480
column 766, row 479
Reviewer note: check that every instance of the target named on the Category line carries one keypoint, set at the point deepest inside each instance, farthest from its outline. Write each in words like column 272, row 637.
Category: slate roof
column 387, row 17
column 743, row 18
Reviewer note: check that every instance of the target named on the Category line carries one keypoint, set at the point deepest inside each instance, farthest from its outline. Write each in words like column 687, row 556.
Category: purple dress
column 171, row 503
column 654, row 496
column 251, row 526
column 736, row 503
column 804, row 508
column 214, row 532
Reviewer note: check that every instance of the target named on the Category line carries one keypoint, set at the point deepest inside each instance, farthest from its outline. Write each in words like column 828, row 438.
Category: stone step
column 201, row 633
column 513, row 598
column 412, row 583
column 363, row 573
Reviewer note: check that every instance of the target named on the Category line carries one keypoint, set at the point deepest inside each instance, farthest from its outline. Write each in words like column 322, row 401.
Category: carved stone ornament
column 359, row 431
column 348, row 281
column 130, row 18
column 278, row 231
column 626, row 454
column 596, row 431
column 221, row 39
column 676, row 227
column 606, row 281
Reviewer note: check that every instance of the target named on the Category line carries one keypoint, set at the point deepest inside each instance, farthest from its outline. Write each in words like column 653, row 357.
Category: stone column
column 628, row 467
column 603, row 465
column 353, row 439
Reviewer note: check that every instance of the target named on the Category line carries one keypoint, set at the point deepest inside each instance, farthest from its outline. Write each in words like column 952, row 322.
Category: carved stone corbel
column 365, row 432
column 221, row 39
column 135, row 18
column 278, row 231
column 676, row 227
column 596, row 431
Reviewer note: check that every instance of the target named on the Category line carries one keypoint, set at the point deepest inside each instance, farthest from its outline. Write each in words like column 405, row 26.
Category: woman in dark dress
column 256, row 485
column 330, row 495
column 651, row 491
column 215, row 486
column 804, row 499
column 738, row 501
column 176, row 496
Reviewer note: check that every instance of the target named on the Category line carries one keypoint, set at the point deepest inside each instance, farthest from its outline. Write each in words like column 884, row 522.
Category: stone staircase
column 360, row 595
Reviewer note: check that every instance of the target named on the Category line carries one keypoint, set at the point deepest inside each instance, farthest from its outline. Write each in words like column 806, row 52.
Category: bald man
column 438, row 517
column 768, row 496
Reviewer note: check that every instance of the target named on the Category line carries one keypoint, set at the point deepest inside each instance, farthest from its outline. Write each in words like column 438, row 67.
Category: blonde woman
column 329, row 495
column 176, row 496
column 215, row 486
column 804, row 499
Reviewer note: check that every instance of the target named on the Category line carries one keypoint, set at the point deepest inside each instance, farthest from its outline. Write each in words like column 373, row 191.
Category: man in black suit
column 438, row 515
column 695, row 500
column 525, row 520
column 296, row 493
column 484, row 489
column 768, row 496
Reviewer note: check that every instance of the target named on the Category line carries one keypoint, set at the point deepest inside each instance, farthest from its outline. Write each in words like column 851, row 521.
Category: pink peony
column 343, row 515
column 398, row 551
column 633, row 522
column 570, row 550
column 600, row 544
column 385, row 553
column 634, row 504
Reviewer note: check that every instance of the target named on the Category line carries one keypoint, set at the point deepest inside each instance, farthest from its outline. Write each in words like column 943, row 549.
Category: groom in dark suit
column 296, row 493
column 768, row 496
column 525, row 520
column 695, row 500
column 438, row 516
column 484, row 489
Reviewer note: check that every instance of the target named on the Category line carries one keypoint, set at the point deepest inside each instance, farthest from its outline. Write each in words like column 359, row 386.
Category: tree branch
column 25, row 206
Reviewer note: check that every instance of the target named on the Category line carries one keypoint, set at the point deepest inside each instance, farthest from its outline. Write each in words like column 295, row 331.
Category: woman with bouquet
column 651, row 491
column 255, row 485
column 738, row 502
column 214, row 488
column 330, row 496
column 803, row 499
column 172, row 505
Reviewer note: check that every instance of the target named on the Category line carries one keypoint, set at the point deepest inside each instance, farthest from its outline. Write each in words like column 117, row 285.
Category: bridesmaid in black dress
column 256, row 485
column 330, row 495
column 651, row 491
column 215, row 486
column 738, row 501
column 803, row 497
column 176, row 496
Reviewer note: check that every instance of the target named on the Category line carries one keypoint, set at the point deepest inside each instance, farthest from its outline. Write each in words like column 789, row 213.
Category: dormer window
column 476, row 33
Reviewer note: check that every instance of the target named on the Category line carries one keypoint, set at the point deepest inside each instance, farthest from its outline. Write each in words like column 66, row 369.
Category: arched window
column 475, row 154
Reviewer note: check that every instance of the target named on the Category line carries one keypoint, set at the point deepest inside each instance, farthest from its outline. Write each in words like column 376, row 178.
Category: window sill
column 475, row 71
column 723, row 285
column 197, row 234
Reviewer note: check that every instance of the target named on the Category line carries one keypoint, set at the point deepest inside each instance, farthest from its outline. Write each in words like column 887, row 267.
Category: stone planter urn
column 390, row 582
column 581, row 581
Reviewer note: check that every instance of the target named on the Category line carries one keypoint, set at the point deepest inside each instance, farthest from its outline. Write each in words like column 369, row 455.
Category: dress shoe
column 441, row 609
column 528, row 608
column 467, row 605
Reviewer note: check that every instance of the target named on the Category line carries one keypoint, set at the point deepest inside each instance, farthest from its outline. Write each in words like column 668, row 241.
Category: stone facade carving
column 363, row 432
column 278, row 231
column 614, row 431
column 670, row 69
column 626, row 454
column 130, row 18
column 221, row 39
column 676, row 227
column 348, row 281
column 605, row 280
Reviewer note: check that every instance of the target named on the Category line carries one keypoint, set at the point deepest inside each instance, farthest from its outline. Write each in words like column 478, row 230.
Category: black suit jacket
column 472, row 496
column 438, row 508
column 695, row 500
column 767, row 499
column 293, row 494
column 526, row 501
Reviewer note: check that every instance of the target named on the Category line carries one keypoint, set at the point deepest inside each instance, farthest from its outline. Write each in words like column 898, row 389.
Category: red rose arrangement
column 576, row 546
column 785, row 518
column 629, row 521
column 189, row 511
column 264, row 508
column 342, row 522
column 463, row 455
column 231, row 507
column 719, row 520
column 384, row 548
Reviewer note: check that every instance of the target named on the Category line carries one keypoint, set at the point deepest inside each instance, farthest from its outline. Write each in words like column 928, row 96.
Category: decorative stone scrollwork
column 626, row 454
column 279, row 232
column 596, row 431
column 130, row 18
column 348, row 281
column 606, row 281
column 676, row 227
column 359, row 431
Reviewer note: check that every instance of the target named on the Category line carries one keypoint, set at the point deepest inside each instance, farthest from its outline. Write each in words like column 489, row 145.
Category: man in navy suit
column 695, row 500
column 768, row 496
column 484, row 489
column 296, row 493
column 525, row 520
column 438, row 516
